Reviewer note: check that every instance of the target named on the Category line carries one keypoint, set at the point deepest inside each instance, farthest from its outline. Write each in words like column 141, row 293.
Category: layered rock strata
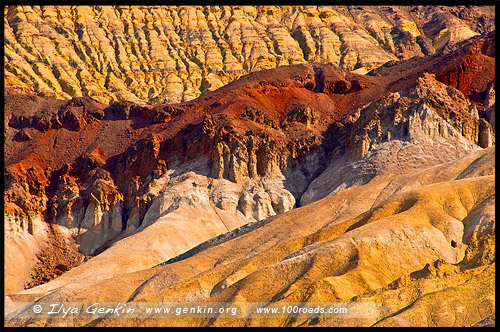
column 419, row 245
column 258, row 147
column 169, row 54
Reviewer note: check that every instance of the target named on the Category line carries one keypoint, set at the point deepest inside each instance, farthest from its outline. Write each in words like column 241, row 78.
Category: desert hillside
column 170, row 54
column 359, row 174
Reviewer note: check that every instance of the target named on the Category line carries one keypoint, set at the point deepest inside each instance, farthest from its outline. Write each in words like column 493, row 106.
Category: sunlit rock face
column 305, row 182
column 259, row 147
column 170, row 54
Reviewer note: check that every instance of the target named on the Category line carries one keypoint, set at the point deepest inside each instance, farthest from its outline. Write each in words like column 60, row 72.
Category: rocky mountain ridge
column 100, row 176
column 170, row 54
column 418, row 244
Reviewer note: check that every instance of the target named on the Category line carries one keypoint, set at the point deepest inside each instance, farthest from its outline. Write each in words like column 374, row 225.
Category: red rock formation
column 87, row 165
column 468, row 66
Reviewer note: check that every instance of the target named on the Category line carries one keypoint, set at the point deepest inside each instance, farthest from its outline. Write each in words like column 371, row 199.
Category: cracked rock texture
column 398, row 133
column 302, row 183
column 170, row 54
column 256, row 148
column 420, row 245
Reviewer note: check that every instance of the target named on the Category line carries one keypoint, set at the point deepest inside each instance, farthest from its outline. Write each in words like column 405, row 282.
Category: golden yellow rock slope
column 175, row 53
column 419, row 246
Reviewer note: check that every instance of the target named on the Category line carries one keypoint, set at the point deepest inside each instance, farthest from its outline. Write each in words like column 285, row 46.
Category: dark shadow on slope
column 219, row 239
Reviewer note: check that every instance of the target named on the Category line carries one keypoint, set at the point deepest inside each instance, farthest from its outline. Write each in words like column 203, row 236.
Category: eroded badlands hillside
column 302, row 183
column 420, row 246
column 170, row 54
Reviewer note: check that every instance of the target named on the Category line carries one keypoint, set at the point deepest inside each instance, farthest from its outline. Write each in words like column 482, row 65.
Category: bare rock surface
column 256, row 148
column 301, row 183
column 409, row 247
column 399, row 134
column 170, row 54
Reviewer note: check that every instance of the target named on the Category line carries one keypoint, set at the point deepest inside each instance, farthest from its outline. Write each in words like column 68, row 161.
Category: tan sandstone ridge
column 303, row 183
column 91, row 178
column 170, row 54
column 420, row 246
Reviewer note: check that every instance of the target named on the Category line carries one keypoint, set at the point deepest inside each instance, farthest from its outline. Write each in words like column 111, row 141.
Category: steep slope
column 260, row 146
column 97, row 169
column 399, row 134
column 399, row 241
column 169, row 54
column 467, row 67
